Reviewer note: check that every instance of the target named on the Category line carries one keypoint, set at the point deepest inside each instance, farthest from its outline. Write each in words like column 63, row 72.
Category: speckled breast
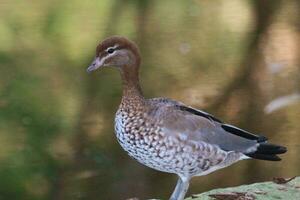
column 140, row 140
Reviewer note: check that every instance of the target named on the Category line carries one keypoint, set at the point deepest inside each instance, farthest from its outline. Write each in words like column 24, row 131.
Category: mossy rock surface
column 257, row 191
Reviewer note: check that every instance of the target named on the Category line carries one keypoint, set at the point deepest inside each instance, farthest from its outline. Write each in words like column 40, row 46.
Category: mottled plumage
column 169, row 136
column 159, row 136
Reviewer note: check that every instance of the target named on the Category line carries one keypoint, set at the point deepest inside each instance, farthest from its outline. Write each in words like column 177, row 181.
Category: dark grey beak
column 95, row 65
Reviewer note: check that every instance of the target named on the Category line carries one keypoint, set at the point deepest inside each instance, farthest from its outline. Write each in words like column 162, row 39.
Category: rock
column 280, row 188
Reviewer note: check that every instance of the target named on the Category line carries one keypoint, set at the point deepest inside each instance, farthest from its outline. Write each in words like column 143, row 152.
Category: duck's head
column 117, row 52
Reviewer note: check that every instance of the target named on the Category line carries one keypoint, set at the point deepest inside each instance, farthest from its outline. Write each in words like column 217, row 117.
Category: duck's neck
column 132, row 92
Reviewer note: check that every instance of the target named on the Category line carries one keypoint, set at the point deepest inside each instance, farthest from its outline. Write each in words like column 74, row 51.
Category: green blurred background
column 237, row 59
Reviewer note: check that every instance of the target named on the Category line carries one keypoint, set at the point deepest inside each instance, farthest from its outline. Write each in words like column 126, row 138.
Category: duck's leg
column 180, row 189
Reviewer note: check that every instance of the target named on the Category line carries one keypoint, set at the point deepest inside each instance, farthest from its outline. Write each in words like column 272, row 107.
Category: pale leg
column 180, row 189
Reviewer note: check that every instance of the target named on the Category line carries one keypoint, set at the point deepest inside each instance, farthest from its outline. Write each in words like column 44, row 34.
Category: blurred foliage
column 230, row 58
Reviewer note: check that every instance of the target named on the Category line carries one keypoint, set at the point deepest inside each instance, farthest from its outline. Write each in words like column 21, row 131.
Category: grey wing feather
column 176, row 118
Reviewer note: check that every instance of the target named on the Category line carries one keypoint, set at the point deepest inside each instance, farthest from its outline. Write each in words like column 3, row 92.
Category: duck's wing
column 180, row 120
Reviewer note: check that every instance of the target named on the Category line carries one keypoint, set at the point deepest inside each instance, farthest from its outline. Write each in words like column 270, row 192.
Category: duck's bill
column 95, row 65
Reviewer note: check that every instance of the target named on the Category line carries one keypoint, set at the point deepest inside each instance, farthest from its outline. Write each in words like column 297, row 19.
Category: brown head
column 123, row 54
column 117, row 52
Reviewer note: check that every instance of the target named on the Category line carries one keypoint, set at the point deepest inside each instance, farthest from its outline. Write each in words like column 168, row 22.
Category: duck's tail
column 267, row 151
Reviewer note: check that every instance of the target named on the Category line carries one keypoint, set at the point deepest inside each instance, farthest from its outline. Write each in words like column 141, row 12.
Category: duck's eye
column 110, row 50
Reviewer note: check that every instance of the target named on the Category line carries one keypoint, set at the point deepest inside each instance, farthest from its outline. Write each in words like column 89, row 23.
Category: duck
column 169, row 136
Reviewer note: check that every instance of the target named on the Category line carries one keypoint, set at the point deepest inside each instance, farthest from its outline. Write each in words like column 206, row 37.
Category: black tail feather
column 265, row 148
column 270, row 157
column 266, row 151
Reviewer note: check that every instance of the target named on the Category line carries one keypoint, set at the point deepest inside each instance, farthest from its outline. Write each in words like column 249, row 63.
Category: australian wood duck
column 169, row 136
